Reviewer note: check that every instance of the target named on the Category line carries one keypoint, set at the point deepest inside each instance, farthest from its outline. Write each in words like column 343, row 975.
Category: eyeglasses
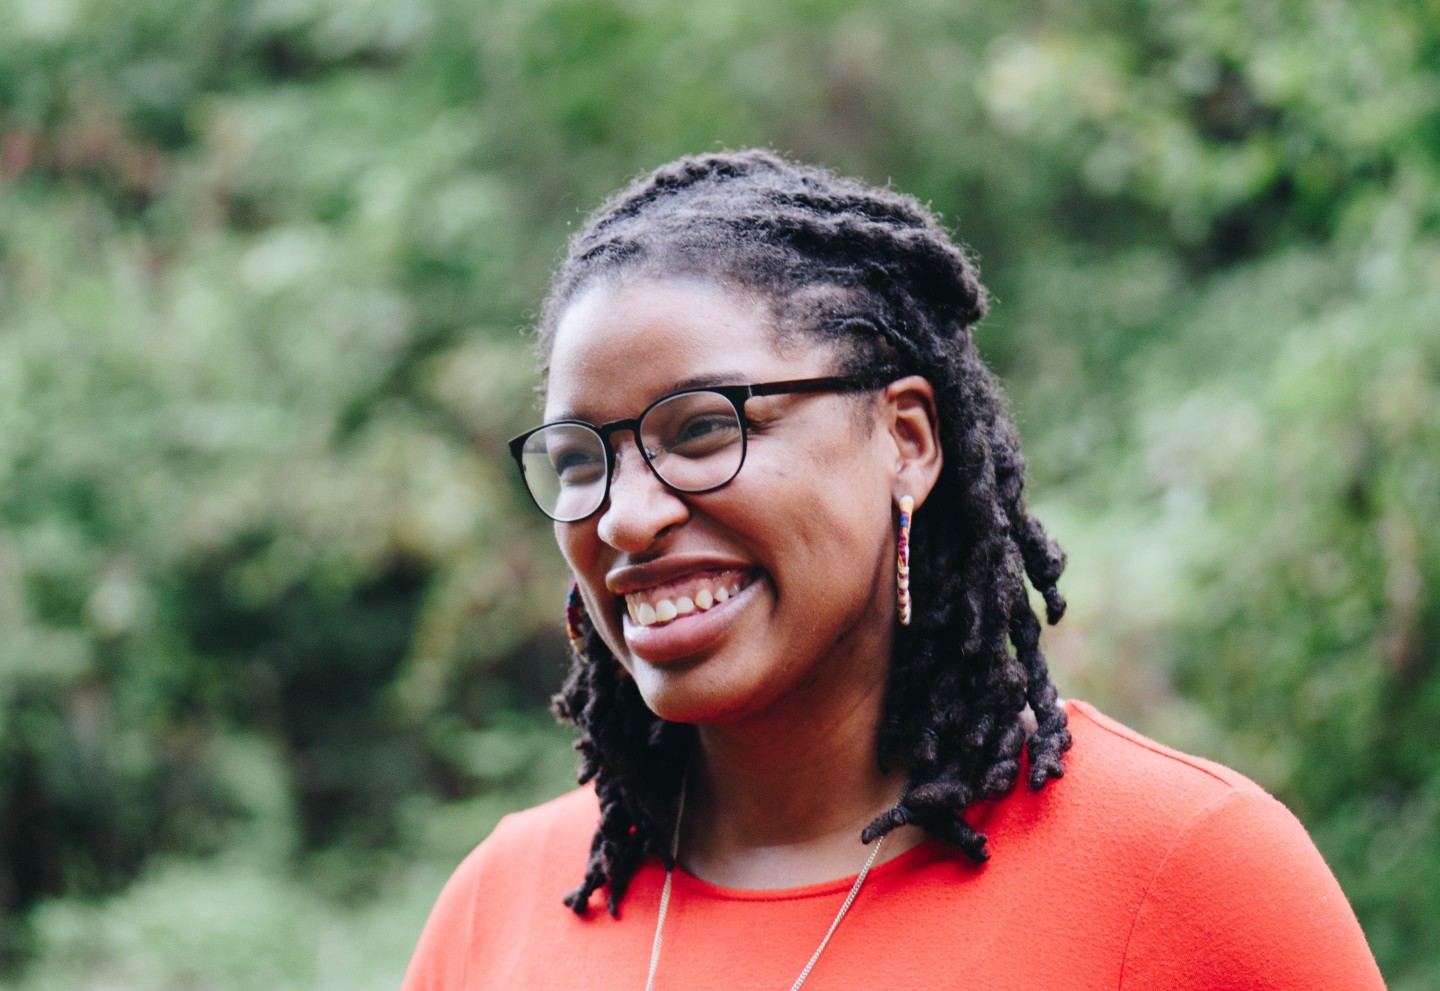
column 694, row 441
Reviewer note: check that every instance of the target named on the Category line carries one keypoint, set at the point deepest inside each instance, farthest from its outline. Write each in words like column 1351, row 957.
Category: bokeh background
column 277, row 626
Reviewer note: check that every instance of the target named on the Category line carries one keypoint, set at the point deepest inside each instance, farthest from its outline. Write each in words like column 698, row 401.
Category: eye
column 698, row 428
column 704, row 434
column 577, row 464
column 690, row 425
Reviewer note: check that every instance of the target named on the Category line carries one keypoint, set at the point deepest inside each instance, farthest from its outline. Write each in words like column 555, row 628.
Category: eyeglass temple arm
column 829, row 384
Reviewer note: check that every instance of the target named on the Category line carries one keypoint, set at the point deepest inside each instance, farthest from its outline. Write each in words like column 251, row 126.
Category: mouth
column 660, row 605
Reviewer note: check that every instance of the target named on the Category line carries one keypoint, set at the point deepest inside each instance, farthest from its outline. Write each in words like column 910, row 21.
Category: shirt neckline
column 925, row 852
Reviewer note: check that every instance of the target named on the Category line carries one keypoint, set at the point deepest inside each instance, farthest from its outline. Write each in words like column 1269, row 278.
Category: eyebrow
column 693, row 382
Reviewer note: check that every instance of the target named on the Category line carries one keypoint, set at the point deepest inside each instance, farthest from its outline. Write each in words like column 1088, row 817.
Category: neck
column 779, row 800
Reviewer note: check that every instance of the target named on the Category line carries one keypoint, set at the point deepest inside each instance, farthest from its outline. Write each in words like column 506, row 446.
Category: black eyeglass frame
column 737, row 395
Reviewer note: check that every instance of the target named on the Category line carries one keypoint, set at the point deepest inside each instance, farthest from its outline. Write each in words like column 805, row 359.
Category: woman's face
column 784, row 578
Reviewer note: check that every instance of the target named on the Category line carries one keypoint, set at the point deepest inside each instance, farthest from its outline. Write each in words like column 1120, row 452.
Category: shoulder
column 1222, row 870
column 1144, row 789
column 1185, row 806
column 1118, row 749
column 560, row 828
column 1119, row 784
column 539, row 849
column 1170, row 808
column 519, row 872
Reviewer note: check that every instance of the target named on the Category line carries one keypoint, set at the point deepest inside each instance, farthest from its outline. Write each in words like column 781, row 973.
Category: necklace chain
column 670, row 874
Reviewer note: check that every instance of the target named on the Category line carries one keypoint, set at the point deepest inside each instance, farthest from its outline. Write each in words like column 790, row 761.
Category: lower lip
column 688, row 635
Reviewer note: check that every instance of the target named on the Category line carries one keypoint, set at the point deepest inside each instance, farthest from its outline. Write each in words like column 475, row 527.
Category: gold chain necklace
column 669, row 876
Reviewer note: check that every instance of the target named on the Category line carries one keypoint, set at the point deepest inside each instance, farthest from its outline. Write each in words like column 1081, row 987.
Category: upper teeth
column 649, row 613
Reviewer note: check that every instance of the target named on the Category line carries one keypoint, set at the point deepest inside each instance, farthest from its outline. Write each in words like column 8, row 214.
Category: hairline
column 788, row 334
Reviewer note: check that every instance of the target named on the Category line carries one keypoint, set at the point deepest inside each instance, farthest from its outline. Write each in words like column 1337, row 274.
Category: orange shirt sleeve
column 1244, row 902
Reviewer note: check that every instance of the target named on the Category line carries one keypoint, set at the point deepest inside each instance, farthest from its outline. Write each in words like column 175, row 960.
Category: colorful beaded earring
column 577, row 624
column 902, row 563
column 578, row 628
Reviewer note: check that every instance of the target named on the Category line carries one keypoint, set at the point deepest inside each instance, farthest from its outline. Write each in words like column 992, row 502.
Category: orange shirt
column 1142, row 868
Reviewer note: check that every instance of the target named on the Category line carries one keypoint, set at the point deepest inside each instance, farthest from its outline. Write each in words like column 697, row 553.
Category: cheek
column 571, row 550
column 566, row 536
column 581, row 547
column 828, row 517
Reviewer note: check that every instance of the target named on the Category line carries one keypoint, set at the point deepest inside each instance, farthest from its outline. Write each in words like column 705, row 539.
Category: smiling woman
column 804, row 602
column 758, row 377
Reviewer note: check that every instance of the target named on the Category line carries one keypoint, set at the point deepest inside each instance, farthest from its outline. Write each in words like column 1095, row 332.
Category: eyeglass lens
column 693, row 442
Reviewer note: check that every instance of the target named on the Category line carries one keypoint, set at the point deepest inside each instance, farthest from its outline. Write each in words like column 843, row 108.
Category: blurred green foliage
column 272, row 602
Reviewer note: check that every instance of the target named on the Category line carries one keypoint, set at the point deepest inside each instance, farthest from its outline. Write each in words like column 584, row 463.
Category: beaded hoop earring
column 578, row 628
column 902, row 563
column 577, row 624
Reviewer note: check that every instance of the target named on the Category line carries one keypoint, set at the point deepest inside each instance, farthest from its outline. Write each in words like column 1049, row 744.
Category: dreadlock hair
column 872, row 272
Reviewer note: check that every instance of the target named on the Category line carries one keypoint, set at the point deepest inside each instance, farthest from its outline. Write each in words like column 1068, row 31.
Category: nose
column 640, row 507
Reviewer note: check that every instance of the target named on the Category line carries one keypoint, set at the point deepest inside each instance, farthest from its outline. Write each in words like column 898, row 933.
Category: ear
column 909, row 413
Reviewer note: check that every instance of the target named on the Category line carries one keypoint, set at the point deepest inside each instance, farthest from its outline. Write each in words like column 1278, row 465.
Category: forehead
column 619, row 347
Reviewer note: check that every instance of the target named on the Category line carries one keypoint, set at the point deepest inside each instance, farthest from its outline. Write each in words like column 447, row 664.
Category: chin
column 687, row 696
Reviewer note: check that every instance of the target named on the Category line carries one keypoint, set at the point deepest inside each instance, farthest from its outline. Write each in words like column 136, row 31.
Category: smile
column 661, row 604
